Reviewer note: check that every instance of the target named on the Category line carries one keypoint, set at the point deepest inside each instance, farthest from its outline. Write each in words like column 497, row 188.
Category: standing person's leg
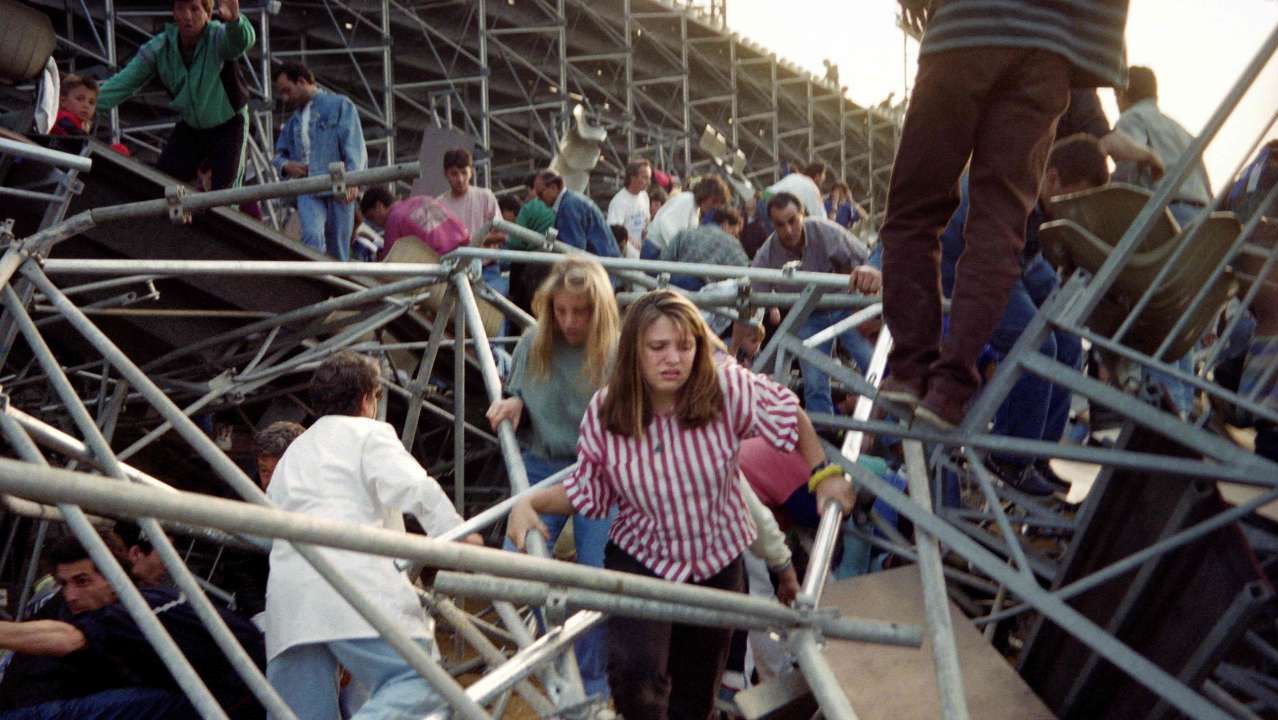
column 1069, row 352
column 1024, row 413
column 1040, row 281
column 224, row 152
column 305, row 676
column 698, row 655
column 182, row 153
column 312, row 215
column 395, row 690
column 816, row 384
column 638, row 654
column 339, row 227
column 771, row 656
column 936, row 140
column 591, row 537
column 1008, row 158
column 856, row 345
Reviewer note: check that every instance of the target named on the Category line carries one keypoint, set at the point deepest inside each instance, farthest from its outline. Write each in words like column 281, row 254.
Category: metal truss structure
column 984, row 545
column 656, row 74
column 576, row 598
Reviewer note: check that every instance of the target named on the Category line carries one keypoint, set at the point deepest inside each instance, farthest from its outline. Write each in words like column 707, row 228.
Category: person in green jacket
column 195, row 57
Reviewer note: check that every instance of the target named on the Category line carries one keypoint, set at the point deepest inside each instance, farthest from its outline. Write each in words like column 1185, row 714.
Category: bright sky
column 1196, row 48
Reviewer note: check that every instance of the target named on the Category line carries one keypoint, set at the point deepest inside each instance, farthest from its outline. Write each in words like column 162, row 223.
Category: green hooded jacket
column 197, row 90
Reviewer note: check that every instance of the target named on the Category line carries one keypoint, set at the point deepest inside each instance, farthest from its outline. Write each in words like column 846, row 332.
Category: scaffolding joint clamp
column 556, row 606
column 743, row 298
column 552, row 237
column 337, row 173
column 175, row 196
column 663, row 281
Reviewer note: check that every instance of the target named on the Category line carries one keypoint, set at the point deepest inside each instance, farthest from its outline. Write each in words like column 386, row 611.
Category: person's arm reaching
column 827, row 481
column 769, row 544
column 401, row 483
column 354, row 153
column 865, row 279
column 124, row 84
column 1118, row 145
column 238, row 35
column 41, row 637
column 511, row 408
column 526, row 515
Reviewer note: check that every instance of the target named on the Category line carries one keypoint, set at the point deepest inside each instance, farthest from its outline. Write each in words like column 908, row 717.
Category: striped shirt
column 679, row 505
column 1088, row 33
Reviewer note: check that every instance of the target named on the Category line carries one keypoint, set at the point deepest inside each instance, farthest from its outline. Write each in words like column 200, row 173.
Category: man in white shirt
column 474, row 206
column 806, row 186
column 683, row 211
column 1144, row 123
column 348, row 466
column 629, row 208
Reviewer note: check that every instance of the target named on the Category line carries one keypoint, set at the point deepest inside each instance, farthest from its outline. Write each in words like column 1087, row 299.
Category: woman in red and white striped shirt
column 660, row 443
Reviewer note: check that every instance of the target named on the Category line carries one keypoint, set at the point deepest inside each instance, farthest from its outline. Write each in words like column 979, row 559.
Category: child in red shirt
column 78, row 101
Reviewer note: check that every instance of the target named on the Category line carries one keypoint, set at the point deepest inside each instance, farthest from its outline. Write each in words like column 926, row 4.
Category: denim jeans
column 816, row 384
column 327, row 225
column 1035, row 409
column 117, row 704
column 306, row 678
column 590, row 537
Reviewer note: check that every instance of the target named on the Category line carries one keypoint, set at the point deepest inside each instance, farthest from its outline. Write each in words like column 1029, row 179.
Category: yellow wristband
column 823, row 474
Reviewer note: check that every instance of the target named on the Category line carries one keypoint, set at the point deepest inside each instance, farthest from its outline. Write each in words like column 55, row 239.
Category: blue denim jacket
column 336, row 136
column 582, row 225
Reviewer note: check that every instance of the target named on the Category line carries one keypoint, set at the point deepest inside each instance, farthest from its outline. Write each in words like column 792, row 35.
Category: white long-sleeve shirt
column 355, row 470
column 679, row 213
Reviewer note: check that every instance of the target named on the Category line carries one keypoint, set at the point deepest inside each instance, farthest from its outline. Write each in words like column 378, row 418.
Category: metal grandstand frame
column 655, row 73
column 575, row 596
column 568, row 587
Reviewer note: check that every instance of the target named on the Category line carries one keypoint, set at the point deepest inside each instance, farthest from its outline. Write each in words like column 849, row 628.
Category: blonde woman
column 558, row 365
column 660, row 444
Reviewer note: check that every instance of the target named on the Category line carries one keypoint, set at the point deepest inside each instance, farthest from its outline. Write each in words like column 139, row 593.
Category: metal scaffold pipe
column 54, row 485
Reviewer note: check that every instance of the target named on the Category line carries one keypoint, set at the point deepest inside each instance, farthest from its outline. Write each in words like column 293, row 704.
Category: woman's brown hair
column 627, row 407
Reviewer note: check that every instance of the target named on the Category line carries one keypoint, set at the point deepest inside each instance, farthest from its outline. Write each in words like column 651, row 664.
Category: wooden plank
column 892, row 683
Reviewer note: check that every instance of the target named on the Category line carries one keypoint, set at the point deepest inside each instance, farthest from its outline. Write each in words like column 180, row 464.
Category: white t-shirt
column 475, row 209
column 804, row 188
column 355, row 470
column 632, row 212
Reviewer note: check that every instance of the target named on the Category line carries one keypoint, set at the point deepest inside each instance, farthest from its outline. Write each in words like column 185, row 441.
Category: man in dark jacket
column 83, row 656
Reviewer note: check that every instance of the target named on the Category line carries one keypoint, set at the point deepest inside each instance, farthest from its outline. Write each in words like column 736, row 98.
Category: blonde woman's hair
column 576, row 275
column 627, row 407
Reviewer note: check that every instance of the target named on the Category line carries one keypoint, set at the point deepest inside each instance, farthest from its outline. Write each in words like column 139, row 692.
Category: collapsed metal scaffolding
column 584, row 596
column 656, row 74
column 991, row 539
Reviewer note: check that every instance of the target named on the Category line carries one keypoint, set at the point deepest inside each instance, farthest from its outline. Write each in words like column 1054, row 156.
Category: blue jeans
column 649, row 251
column 590, row 536
column 1035, row 409
column 327, row 225
column 306, row 678
column 816, row 384
column 117, row 704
